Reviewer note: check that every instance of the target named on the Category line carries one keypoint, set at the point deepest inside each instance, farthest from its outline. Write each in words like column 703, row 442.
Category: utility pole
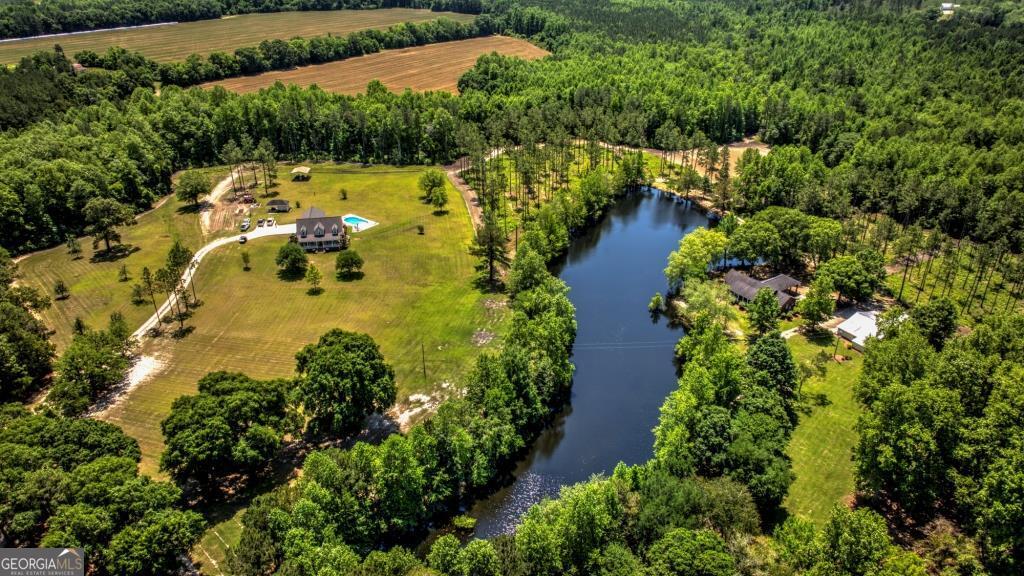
column 423, row 360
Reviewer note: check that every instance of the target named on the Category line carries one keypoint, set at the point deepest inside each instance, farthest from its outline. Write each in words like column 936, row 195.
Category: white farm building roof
column 858, row 328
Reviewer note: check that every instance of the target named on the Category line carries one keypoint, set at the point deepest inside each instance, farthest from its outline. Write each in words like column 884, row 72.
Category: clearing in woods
column 417, row 299
column 823, row 442
column 421, row 68
column 171, row 42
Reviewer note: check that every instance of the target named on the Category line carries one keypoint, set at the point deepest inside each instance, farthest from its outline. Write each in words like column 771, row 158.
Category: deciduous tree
column 343, row 378
column 764, row 311
column 313, row 278
column 292, row 259
column 191, row 185
column 103, row 216
column 348, row 264
column 818, row 304
column 697, row 251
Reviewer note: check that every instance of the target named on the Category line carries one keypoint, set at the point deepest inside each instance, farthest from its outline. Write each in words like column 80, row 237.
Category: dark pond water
column 623, row 358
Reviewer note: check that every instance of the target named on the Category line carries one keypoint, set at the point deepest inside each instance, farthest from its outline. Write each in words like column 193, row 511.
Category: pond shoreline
column 623, row 358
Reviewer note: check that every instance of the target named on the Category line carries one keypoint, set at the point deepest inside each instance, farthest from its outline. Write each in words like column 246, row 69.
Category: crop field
column 171, row 42
column 417, row 300
column 823, row 442
column 422, row 68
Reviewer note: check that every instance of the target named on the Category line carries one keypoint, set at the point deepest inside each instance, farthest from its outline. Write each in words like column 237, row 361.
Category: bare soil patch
column 482, row 337
column 417, row 406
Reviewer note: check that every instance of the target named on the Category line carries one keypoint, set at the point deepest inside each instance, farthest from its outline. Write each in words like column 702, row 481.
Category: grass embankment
column 432, row 67
column 211, row 553
column 96, row 292
column 417, row 299
column 822, row 444
column 172, row 42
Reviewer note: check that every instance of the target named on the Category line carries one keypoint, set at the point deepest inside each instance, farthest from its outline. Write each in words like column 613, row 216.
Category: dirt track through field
column 176, row 41
column 432, row 67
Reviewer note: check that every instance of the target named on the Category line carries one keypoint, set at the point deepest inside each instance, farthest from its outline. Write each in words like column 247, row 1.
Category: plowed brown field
column 432, row 67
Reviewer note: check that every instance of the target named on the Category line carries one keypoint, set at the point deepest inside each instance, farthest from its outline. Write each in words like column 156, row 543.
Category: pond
column 623, row 356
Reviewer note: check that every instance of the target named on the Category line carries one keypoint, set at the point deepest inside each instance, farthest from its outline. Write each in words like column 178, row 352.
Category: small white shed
column 858, row 328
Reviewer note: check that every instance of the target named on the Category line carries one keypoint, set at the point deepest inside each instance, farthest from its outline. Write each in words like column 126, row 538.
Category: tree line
column 846, row 152
column 940, row 436
column 901, row 113
column 22, row 18
column 697, row 507
column 286, row 54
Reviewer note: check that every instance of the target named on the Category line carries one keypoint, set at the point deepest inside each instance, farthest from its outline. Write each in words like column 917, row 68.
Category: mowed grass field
column 823, row 442
column 421, row 68
column 176, row 41
column 417, row 299
column 95, row 289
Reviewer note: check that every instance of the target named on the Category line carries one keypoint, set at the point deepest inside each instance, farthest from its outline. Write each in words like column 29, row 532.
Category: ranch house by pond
column 316, row 231
column 745, row 288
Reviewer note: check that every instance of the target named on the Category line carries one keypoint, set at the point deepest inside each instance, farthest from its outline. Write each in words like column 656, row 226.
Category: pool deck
column 364, row 225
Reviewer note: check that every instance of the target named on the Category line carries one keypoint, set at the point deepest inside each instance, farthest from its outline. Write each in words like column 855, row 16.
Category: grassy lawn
column 212, row 551
column 95, row 289
column 790, row 322
column 176, row 41
column 822, row 444
column 417, row 299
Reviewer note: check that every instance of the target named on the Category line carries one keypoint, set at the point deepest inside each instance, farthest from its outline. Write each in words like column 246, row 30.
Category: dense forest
column 21, row 18
column 877, row 111
column 882, row 117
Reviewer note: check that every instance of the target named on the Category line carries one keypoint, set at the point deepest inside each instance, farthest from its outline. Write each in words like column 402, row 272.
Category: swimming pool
column 358, row 223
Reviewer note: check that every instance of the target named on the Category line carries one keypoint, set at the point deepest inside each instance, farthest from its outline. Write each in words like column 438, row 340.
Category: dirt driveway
column 218, row 213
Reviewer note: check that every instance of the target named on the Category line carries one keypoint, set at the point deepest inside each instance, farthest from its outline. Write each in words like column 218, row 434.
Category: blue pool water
column 355, row 220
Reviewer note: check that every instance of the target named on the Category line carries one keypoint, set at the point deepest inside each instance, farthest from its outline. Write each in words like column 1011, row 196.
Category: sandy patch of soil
column 417, row 405
column 144, row 369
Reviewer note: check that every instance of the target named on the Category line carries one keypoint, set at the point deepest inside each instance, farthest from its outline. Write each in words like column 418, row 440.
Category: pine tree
column 490, row 246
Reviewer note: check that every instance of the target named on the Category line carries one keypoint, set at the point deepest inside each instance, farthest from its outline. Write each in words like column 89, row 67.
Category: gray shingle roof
column 781, row 282
column 746, row 287
column 313, row 212
column 315, row 224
